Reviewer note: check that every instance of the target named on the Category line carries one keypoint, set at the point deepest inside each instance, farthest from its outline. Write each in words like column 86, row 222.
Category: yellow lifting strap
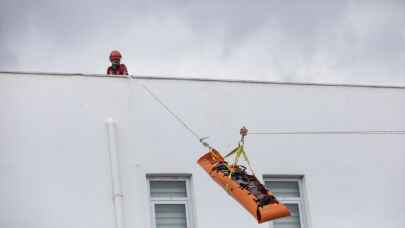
column 238, row 152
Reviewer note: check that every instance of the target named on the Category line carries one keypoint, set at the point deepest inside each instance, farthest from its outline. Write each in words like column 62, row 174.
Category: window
column 170, row 201
column 288, row 190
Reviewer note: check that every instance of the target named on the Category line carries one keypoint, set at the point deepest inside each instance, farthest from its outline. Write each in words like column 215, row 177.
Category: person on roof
column 116, row 67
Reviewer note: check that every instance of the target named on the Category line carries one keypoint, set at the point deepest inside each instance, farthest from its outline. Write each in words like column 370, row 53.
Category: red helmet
column 115, row 55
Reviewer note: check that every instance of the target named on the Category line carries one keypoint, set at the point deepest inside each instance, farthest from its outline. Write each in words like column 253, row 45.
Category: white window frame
column 186, row 201
column 300, row 201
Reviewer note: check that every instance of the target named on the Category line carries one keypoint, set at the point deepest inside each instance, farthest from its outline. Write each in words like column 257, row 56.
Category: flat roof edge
column 268, row 82
column 176, row 78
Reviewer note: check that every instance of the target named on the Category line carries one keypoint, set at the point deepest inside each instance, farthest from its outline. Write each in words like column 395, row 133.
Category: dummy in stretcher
column 243, row 187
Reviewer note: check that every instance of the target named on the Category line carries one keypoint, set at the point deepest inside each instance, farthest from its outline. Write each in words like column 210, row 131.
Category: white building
column 58, row 133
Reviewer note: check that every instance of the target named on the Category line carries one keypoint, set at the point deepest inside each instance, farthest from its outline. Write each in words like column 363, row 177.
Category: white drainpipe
column 115, row 174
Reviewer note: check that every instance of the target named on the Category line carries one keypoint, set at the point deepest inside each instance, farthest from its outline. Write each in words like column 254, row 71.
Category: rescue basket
column 243, row 187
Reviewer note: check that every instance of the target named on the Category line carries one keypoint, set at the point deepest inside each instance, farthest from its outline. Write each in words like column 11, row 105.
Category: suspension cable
column 256, row 132
column 177, row 117
column 260, row 132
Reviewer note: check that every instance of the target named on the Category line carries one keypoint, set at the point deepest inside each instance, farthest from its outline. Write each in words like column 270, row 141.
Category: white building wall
column 55, row 164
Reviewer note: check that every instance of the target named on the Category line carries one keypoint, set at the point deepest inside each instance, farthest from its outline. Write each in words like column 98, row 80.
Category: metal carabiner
column 202, row 141
column 243, row 132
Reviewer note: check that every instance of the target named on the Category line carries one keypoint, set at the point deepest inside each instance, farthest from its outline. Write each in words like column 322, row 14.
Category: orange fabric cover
column 243, row 196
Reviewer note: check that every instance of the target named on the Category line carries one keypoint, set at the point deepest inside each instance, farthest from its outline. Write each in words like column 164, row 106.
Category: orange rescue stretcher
column 243, row 187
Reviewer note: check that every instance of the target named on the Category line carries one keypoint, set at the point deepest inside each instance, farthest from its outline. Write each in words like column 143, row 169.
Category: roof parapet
column 177, row 78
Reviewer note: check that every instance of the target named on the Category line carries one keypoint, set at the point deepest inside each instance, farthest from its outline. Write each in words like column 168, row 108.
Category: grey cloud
column 322, row 41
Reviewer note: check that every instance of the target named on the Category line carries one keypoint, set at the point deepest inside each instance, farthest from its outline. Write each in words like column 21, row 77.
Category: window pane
column 292, row 221
column 283, row 188
column 170, row 216
column 168, row 189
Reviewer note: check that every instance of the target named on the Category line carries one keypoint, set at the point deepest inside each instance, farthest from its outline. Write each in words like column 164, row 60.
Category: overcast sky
column 360, row 42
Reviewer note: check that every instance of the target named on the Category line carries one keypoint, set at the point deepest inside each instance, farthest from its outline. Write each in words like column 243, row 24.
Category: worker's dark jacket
column 120, row 70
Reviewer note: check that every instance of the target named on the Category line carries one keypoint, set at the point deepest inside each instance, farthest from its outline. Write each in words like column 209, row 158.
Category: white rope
column 257, row 132
column 166, row 107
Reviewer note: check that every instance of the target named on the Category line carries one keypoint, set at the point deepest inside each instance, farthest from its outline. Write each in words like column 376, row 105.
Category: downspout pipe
column 115, row 174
